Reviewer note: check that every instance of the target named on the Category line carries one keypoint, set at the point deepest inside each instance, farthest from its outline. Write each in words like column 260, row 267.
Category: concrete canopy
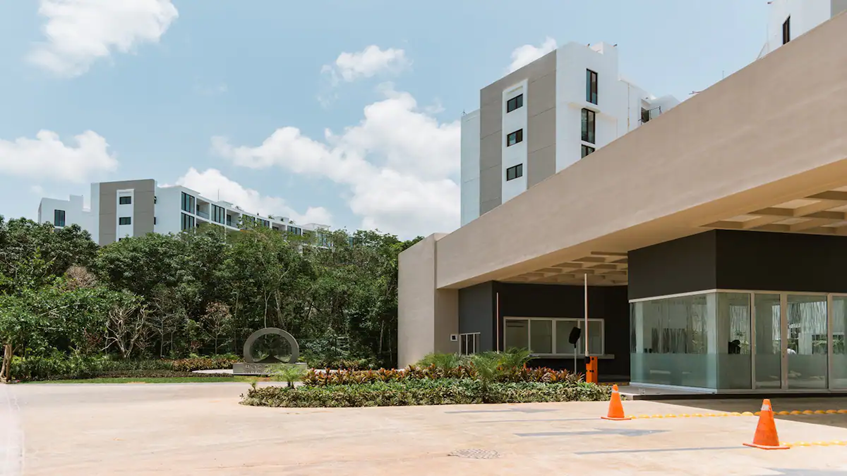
column 739, row 155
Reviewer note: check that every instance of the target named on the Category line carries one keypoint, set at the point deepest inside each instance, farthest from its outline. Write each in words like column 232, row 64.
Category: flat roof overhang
column 764, row 149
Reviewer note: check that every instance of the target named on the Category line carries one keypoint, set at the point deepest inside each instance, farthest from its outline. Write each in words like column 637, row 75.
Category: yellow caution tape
column 732, row 414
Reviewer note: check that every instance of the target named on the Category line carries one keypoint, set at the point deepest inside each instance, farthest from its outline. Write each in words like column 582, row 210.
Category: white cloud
column 37, row 189
column 367, row 63
column 526, row 54
column 399, row 164
column 213, row 184
column 47, row 157
column 79, row 32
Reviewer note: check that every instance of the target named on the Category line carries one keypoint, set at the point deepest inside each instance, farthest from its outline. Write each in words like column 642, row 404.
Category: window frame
column 592, row 86
column 188, row 203
column 580, row 323
column 187, row 222
column 469, row 341
column 56, row 218
column 518, row 135
column 584, row 148
column 786, row 30
column 588, row 123
column 514, row 103
column 518, row 170
column 124, row 221
column 218, row 214
column 125, row 200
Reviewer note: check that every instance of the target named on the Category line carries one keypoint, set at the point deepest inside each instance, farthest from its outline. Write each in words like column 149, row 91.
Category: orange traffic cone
column 766, row 437
column 616, row 407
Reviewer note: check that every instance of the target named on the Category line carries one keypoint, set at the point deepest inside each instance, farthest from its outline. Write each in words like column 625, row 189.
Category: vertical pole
column 497, row 324
column 585, row 337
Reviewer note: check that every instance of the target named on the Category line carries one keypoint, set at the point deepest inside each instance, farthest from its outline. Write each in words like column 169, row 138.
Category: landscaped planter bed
column 422, row 392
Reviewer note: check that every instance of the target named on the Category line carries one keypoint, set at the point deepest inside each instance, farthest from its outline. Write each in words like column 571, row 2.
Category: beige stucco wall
column 427, row 317
column 773, row 132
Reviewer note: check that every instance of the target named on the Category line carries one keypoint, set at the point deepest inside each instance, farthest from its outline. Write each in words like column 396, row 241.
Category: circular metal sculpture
column 251, row 341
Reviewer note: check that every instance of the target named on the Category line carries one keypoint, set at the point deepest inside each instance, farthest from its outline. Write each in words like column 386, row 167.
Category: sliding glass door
column 768, row 341
column 792, row 341
column 807, row 342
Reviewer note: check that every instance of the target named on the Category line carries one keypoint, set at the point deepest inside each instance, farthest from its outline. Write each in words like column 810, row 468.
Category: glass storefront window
column 517, row 333
column 563, row 332
column 768, row 341
column 839, row 353
column 807, row 352
column 541, row 337
column 550, row 336
column 741, row 340
column 734, row 364
column 675, row 341
column 595, row 337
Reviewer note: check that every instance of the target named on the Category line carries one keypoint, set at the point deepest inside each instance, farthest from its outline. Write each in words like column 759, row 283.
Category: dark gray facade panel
column 476, row 313
column 609, row 303
column 679, row 266
column 766, row 261
column 740, row 260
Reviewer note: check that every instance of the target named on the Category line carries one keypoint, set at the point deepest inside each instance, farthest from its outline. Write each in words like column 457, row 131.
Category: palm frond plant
column 289, row 374
column 487, row 367
column 441, row 361
column 514, row 359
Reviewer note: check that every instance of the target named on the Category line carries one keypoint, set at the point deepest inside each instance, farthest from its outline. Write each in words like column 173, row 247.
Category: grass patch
column 131, row 380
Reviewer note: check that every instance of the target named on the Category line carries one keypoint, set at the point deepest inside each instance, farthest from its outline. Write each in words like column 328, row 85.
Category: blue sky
column 244, row 92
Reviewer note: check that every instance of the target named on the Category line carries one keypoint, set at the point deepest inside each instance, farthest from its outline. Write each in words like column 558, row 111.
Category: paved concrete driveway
column 199, row 429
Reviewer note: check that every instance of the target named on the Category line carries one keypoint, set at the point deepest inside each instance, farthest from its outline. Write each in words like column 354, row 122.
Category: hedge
column 423, row 392
column 62, row 367
column 348, row 377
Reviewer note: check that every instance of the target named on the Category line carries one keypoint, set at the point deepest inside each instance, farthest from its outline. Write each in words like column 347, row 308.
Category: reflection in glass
column 807, row 341
column 517, row 333
column 734, row 365
column 839, row 353
column 595, row 337
column 768, row 332
column 563, row 332
column 541, row 337
column 672, row 341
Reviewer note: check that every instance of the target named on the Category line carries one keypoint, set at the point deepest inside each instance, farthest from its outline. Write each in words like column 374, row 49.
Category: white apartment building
column 136, row 207
column 788, row 19
column 543, row 118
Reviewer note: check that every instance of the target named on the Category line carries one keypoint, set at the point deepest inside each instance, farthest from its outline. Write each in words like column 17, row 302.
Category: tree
column 128, row 326
column 22, row 239
column 218, row 321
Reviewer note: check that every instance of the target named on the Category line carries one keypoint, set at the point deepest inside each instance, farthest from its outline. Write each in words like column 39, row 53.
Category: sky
column 344, row 113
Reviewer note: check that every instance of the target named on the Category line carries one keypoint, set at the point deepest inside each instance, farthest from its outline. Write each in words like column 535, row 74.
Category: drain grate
column 475, row 454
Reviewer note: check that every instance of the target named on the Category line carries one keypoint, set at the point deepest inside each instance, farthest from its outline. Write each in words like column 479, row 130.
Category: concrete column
column 427, row 316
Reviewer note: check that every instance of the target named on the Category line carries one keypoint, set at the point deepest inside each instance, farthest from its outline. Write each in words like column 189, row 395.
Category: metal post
column 574, row 356
column 585, row 337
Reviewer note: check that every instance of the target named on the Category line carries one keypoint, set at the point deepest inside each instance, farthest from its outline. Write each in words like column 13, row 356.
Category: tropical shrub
column 422, row 392
column 62, row 367
column 317, row 378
